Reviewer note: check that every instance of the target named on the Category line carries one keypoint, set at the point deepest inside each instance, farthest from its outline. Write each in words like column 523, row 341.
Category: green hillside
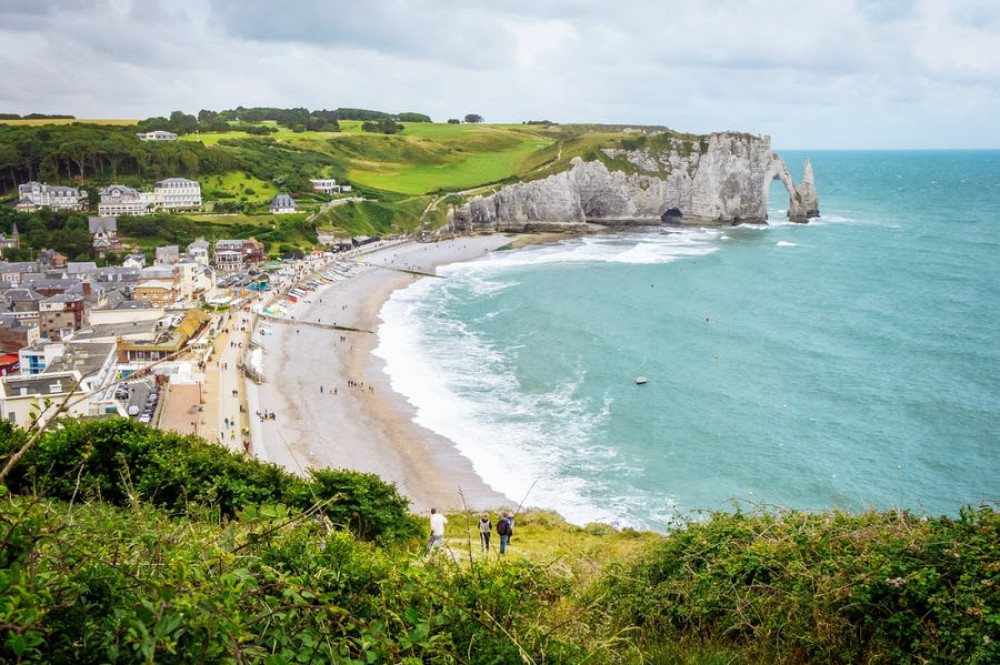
column 124, row 544
column 243, row 159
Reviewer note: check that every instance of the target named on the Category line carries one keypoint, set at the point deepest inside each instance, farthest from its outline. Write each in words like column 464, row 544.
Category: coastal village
column 153, row 341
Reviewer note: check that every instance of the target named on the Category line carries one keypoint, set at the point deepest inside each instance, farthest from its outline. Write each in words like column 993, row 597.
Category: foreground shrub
column 123, row 462
column 820, row 588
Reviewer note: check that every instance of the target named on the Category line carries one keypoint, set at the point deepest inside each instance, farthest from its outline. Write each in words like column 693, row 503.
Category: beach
column 331, row 401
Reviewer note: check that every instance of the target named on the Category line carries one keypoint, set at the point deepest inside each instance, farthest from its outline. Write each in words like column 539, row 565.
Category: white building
column 157, row 135
column 167, row 195
column 121, row 200
column 34, row 196
column 177, row 194
column 326, row 186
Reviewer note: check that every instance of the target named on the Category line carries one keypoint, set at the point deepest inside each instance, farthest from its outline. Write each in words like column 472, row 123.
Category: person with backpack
column 505, row 529
column 485, row 528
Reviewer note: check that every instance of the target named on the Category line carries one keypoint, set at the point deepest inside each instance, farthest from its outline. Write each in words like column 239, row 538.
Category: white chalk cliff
column 724, row 179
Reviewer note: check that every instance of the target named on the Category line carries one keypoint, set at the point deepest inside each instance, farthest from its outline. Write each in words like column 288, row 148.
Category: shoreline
column 320, row 380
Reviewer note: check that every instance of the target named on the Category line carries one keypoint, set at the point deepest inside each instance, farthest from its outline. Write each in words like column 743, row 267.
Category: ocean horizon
column 849, row 363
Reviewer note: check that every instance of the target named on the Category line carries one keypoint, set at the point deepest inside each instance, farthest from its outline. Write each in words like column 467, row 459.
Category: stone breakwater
column 724, row 179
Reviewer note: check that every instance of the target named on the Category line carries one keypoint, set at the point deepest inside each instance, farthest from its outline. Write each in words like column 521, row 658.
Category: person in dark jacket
column 505, row 528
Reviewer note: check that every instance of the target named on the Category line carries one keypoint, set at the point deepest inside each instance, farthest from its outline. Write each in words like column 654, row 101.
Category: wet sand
column 332, row 403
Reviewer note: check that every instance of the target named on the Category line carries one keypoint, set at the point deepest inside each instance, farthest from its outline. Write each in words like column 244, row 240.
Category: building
column 157, row 135
column 168, row 255
column 67, row 384
column 157, row 292
column 283, row 204
column 238, row 255
column 104, row 234
column 16, row 334
column 62, row 314
column 34, row 196
column 177, row 194
column 198, row 251
column 121, row 200
column 325, row 186
column 13, row 241
column 135, row 260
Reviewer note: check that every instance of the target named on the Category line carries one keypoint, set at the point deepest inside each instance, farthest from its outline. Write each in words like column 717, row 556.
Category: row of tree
column 54, row 153
column 297, row 119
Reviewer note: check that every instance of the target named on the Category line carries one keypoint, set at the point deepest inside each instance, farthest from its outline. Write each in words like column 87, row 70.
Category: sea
column 850, row 363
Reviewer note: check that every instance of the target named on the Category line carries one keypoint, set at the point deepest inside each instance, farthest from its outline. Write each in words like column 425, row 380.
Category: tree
column 473, row 118
column 454, row 121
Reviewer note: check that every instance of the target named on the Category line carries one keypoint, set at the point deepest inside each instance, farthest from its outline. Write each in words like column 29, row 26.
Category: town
column 81, row 340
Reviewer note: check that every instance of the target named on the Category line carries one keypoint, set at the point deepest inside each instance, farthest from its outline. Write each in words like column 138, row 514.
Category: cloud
column 847, row 74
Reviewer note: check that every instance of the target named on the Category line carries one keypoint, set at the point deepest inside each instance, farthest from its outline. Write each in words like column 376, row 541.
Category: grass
column 471, row 171
column 235, row 183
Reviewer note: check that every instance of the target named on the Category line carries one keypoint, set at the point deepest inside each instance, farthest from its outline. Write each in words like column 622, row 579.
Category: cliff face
column 724, row 180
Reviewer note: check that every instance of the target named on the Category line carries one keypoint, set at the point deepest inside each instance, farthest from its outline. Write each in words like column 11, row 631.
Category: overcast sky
column 820, row 74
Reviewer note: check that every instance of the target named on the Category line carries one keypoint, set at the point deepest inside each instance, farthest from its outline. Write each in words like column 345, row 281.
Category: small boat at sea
column 640, row 380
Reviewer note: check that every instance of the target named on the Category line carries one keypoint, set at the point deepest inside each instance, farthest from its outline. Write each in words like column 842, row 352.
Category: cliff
column 724, row 179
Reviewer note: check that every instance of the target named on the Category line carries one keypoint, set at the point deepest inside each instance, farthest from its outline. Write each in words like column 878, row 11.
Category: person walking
column 437, row 529
column 485, row 529
column 505, row 529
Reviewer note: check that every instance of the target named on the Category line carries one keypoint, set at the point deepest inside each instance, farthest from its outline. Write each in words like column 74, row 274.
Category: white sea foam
column 467, row 391
column 785, row 243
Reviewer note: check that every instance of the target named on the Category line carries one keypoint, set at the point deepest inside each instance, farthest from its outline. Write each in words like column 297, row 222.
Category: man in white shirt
column 437, row 529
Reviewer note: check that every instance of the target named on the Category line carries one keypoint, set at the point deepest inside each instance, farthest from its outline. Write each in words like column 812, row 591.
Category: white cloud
column 861, row 73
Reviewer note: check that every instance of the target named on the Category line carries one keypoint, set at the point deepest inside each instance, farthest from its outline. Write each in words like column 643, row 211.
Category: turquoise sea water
column 852, row 362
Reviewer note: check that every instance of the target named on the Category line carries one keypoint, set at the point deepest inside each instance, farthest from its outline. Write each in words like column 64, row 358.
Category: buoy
column 640, row 380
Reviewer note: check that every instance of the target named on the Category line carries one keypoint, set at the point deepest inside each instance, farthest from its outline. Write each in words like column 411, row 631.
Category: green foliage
column 828, row 588
column 123, row 462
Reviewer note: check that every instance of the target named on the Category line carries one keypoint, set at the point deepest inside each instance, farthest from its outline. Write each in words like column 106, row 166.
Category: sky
column 812, row 74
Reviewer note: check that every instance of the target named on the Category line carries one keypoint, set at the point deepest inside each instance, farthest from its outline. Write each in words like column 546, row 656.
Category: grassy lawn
column 475, row 169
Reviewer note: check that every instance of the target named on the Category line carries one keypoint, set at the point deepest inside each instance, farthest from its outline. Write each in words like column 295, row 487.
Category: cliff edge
column 722, row 179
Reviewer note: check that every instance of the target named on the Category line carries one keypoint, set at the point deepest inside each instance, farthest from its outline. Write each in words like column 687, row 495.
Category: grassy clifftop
column 122, row 544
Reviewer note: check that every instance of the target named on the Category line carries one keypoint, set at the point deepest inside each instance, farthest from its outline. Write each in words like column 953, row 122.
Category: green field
column 467, row 172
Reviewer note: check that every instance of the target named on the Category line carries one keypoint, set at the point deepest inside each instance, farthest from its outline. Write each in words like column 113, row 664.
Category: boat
column 640, row 380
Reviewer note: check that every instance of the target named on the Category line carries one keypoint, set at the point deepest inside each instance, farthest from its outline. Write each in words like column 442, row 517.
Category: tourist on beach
column 437, row 529
column 485, row 528
column 505, row 529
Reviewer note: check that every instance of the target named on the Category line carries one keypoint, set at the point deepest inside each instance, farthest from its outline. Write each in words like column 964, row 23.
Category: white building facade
column 34, row 196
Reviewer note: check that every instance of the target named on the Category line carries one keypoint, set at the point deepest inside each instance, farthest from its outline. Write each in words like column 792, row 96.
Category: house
column 13, row 241
column 157, row 292
column 238, row 255
column 135, row 260
column 283, row 204
column 16, row 334
column 157, row 135
column 228, row 260
column 50, row 259
column 168, row 255
column 198, row 251
column 62, row 314
column 121, row 200
column 34, row 196
column 325, row 186
column 13, row 271
column 104, row 231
